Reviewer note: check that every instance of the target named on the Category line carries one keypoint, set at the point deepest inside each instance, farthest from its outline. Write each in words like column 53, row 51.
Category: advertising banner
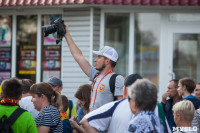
column 27, row 60
column 51, row 61
column 5, row 31
column 5, row 63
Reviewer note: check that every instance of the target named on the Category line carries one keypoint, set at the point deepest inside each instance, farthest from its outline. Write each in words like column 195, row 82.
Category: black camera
column 56, row 26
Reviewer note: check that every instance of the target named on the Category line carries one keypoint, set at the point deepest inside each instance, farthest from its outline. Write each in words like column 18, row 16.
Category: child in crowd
column 11, row 94
column 25, row 102
column 183, row 116
column 47, row 101
column 63, row 108
column 83, row 95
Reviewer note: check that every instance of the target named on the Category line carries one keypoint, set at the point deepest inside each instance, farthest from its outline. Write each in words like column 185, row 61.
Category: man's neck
column 176, row 99
column 26, row 94
column 106, row 70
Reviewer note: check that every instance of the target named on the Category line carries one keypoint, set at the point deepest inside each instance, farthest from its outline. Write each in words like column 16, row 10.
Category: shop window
column 186, row 53
column 117, row 36
column 26, row 47
column 147, row 42
column 5, row 47
column 51, row 52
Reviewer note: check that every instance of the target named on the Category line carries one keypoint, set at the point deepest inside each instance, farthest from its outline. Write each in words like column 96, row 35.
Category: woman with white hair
column 142, row 97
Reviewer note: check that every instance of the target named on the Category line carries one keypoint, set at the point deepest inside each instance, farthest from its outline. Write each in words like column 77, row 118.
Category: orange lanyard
column 97, row 86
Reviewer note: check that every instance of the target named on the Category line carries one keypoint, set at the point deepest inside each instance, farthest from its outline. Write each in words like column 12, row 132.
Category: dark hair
column 83, row 93
column 30, row 81
column 26, row 86
column 45, row 88
column 175, row 82
column 65, row 103
column 130, row 79
column 12, row 88
column 113, row 64
column 188, row 83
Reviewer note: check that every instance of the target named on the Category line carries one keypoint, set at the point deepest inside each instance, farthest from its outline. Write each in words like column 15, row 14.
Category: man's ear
column 60, row 89
column 20, row 97
column 125, row 94
column 135, row 104
column 108, row 61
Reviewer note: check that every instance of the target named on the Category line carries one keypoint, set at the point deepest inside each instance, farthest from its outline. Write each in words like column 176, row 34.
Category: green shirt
column 25, row 122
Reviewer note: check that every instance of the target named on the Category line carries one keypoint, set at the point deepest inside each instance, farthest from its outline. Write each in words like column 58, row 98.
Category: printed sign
column 27, row 60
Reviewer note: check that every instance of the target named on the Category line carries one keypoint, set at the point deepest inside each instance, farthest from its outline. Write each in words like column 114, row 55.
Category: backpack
column 111, row 84
column 6, row 123
column 67, row 128
column 70, row 108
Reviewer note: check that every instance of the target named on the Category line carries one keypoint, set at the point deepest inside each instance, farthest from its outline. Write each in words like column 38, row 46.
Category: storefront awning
column 8, row 3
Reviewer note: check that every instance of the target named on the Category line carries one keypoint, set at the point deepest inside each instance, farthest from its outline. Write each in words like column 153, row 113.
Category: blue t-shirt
column 80, row 114
column 194, row 100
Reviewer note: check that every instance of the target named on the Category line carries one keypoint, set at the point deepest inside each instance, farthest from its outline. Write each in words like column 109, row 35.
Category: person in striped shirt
column 47, row 101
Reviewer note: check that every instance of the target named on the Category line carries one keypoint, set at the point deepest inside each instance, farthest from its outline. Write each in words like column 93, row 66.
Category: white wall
column 79, row 21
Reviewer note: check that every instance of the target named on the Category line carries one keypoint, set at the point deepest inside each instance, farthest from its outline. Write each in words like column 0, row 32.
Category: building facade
column 158, row 39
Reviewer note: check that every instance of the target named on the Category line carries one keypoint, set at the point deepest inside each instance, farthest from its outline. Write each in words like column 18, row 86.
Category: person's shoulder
column 93, row 69
column 120, row 78
column 26, row 116
column 49, row 110
column 107, row 109
column 118, row 75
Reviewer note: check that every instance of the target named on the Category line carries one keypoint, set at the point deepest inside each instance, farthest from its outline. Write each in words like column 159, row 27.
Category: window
column 26, row 47
column 117, row 36
column 5, row 47
column 147, row 42
column 51, row 52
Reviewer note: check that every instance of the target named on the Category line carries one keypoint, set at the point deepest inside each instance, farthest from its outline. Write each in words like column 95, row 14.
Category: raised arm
column 77, row 53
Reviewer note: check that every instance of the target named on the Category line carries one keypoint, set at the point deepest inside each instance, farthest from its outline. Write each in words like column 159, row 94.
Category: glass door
column 185, row 49
column 26, row 47
column 186, row 53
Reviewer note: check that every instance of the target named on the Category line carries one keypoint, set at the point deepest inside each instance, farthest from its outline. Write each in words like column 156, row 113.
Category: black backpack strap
column 112, row 85
column 13, row 117
column 70, row 108
column 95, row 76
column 8, row 122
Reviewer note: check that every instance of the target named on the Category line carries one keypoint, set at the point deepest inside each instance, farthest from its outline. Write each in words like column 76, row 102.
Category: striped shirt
column 196, row 120
column 50, row 116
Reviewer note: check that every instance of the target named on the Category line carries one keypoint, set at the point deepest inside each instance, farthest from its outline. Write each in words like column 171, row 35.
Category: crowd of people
column 110, row 104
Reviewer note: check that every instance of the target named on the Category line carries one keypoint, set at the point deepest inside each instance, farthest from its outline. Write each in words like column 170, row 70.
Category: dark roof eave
column 103, row 6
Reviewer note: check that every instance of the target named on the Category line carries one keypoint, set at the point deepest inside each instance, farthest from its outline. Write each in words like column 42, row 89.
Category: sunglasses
column 129, row 98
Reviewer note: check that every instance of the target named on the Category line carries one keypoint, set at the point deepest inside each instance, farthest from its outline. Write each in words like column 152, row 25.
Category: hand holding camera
column 56, row 26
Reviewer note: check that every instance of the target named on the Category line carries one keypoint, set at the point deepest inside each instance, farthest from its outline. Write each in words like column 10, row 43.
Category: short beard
column 101, row 69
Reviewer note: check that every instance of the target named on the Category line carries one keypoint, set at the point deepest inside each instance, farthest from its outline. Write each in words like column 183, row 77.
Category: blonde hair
column 185, row 108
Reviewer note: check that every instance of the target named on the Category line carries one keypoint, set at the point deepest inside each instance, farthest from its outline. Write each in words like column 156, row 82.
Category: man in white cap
column 100, row 75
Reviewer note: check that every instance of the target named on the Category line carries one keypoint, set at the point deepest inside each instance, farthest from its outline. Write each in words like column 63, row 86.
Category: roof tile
column 106, row 2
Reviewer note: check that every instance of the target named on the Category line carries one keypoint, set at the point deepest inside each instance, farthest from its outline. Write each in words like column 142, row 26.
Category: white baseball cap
column 108, row 52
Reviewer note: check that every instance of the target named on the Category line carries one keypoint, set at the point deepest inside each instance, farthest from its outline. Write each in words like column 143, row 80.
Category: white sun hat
column 108, row 52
